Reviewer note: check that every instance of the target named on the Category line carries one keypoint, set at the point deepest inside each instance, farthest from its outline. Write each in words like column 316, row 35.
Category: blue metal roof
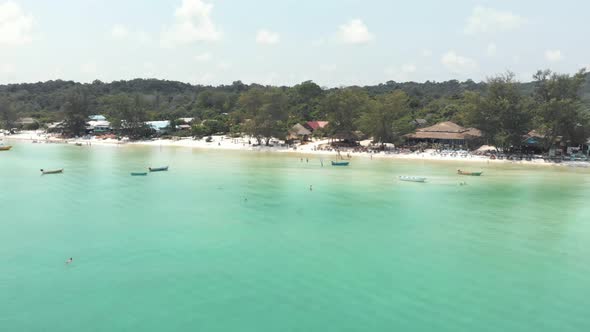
column 97, row 117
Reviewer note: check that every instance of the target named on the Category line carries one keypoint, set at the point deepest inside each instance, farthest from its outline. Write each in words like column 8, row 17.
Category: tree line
column 556, row 105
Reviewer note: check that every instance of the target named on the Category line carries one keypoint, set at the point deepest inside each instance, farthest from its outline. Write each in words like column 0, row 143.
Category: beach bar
column 444, row 133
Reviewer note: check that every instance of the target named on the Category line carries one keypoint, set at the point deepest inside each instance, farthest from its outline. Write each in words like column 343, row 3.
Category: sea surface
column 236, row 241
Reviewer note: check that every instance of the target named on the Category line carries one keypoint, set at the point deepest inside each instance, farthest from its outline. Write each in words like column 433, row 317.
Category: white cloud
column 192, row 23
column 458, row 64
column 15, row 25
column 355, row 32
column 119, row 31
column 553, row 55
column 492, row 49
column 267, row 37
column 486, row 20
column 426, row 53
column 203, row 57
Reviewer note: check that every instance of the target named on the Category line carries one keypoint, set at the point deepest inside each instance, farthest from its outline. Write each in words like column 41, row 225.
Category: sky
column 285, row 42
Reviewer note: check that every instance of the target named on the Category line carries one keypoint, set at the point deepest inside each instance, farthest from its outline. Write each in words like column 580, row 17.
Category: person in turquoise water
column 69, row 261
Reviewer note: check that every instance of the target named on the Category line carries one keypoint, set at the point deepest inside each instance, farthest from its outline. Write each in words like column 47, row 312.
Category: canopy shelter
column 444, row 133
column 299, row 132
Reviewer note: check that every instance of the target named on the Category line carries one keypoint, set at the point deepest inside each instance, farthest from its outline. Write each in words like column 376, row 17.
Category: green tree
column 7, row 114
column 386, row 118
column 503, row 113
column 343, row 107
column 76, row 113
column 267, row 113
column 559, row 109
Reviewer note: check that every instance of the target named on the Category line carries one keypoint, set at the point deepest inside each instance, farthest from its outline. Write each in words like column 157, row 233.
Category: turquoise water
column 230, row 241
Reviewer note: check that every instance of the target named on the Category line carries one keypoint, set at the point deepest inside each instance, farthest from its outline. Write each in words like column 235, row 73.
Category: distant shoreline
column 223, row 143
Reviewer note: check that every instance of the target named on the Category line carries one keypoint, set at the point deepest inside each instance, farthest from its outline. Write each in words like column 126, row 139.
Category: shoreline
column 223, row 143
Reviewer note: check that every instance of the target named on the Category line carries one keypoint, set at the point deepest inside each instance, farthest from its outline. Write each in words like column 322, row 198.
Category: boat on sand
column 158, row 169
column 412, row 178
column 460, row 172
column 52, row 171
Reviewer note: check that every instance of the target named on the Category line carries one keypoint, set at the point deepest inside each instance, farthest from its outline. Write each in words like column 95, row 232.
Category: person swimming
column 69, row 261
column 310, row 187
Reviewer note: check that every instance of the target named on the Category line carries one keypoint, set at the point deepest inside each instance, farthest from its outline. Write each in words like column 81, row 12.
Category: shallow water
column 230, row 241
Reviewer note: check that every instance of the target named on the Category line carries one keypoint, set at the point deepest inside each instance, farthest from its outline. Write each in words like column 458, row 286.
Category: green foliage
column 7, row 114
column 343, row 107
column 503, row 113
column 554, row 104
column 76, row 111
column 387, row 117
column 560, row 112
column 266, row 112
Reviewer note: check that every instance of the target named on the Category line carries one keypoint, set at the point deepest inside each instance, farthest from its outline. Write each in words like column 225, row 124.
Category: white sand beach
column 316, row 147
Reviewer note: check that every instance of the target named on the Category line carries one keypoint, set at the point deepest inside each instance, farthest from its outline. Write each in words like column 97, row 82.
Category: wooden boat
column 340, row 163
column 158, row 169
column 412, row 178
column 460, row 172
column 78, row 144
column 53, row 171
column 5, row 147
column 139, row 173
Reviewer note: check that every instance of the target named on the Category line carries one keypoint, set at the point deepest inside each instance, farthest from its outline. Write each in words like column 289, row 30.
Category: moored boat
column 139, row 173
column 340, row 163
column 412, row 178
column 158, row 169
column 5, row 147
column 460, row 172
column 52, row 171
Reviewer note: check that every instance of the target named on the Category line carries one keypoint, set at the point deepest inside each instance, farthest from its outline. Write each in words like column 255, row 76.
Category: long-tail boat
column 460, row 172
column 340, row 163
column 52, row 171
column 158, row 169
column 139, row 173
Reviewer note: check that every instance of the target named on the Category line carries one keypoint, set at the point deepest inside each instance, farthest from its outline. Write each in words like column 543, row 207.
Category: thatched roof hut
column 299, row 131
column 448, row 131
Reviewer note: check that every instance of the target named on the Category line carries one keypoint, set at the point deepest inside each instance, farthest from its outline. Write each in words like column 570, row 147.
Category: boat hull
column 469, row 173
column 139, row 173
column 340, row 163
column 55, row 171
column 418, row 179
column 5, row 148
column 158, row 169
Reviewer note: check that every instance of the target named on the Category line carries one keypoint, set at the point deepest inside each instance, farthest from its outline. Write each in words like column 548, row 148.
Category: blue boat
column 340, row 163
column 158, row 169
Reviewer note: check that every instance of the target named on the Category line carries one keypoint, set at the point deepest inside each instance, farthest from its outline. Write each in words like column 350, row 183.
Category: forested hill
column 164, row 99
